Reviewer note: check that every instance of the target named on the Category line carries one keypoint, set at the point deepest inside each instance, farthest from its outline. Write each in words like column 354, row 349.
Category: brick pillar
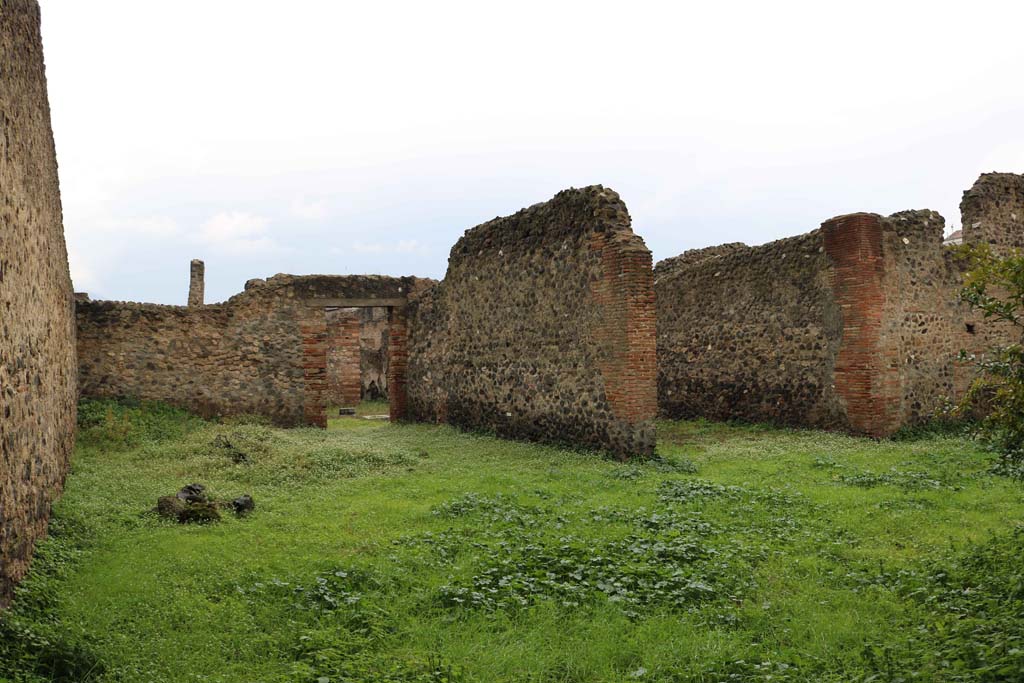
column 627, row 336
column 196, row 283
column 314, row 365
column 398, row 362
column 867, row 378
column 344, row 382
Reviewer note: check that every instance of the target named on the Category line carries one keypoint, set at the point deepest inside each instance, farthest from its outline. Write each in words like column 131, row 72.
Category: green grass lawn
column 419, row 553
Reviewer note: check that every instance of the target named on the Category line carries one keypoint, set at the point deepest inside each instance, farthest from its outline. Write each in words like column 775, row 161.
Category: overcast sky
column 326, row 136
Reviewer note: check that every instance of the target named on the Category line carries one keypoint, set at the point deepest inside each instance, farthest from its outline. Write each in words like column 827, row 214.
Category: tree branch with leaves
column 994, row 286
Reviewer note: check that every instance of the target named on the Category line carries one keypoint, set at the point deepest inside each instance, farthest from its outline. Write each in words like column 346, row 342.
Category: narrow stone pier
column 196, row 283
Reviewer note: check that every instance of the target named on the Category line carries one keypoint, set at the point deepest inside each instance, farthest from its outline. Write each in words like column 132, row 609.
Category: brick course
column 344, row 357
column 866, row 376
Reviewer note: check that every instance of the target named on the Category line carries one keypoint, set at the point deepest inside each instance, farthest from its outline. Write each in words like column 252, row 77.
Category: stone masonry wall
column 542, row 329
column 993, row 211
column 262, row 352
column 926, row 323
column 37, row 347
column 855, row 326
column 750, row 333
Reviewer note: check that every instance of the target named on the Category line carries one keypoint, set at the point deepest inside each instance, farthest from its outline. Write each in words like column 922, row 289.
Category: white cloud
column 712, row 130
column 83, row 273
column 100, row 245
column 399, row 247
column 237, row 231
column 310, row 210
column 158, row 226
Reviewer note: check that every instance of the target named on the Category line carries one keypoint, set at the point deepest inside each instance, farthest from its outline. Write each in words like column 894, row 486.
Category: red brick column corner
column 345, row 380
column 627, row 332
column 398, row 363
column 866, row 373
column 314, row 365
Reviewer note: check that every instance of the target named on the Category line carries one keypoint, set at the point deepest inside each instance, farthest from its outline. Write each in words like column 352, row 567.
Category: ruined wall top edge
column 568, row 215
column 995, row 183
column 298, row 287
column 734, row 256
column 992, row 211
column 21, row 5
column 925, row 223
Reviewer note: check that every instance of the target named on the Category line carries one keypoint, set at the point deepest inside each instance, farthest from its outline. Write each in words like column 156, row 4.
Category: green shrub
column 34, row 645
column 994, row 285
column 972, row 623
column 123, row 423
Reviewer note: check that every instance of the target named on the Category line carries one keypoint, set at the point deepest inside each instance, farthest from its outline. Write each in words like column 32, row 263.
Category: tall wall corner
column 398, row 363
column 627, row 338
column 565, row 354
column 38, row 368
column 313, row 328
column 867, row 378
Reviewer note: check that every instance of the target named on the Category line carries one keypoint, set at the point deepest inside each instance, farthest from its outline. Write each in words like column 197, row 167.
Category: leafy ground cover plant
column 407, row 553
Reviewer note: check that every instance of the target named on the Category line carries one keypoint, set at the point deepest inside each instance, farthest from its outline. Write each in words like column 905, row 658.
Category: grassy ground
column 418, row 553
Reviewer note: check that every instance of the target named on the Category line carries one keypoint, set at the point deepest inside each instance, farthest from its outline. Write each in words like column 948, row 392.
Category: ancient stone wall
column 922, row 325
column 857, row 325
column 750, row 333
column 542, row 329
column 37, row 348
column 264, row 351
column 926, row 324
column 992, row 211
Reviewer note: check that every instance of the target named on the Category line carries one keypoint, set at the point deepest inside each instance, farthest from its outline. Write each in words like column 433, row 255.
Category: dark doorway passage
column 357, row 362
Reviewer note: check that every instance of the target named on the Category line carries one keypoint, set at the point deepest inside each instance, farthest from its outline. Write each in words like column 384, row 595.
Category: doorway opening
column 357, row 362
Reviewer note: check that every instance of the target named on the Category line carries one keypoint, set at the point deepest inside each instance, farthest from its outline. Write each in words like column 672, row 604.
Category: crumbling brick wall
column 37, row 347
column 866, row 378
column 796, row 332
column 542, row 329
column 856, row 326
column 263, row 352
